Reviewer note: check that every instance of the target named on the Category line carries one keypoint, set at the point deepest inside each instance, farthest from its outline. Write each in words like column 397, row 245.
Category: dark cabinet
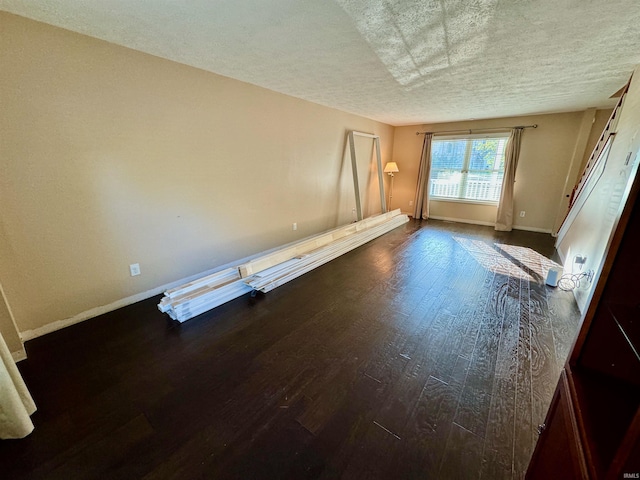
column 593, row 425
column 559, row 453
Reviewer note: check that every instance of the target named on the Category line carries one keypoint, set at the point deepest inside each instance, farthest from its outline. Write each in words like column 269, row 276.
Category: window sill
column 464, row 200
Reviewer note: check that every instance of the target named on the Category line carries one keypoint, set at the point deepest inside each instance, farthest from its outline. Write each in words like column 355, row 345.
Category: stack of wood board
column 199, row 296
column 269, row 278
column 305, row 246
column 273, row 269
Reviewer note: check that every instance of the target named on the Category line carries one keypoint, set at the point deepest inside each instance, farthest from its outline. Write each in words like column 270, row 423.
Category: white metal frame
column 354, row 168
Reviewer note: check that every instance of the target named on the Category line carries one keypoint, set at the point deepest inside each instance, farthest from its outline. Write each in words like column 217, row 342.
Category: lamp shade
column 391, row 167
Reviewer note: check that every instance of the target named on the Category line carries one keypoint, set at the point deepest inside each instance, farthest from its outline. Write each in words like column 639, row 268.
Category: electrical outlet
column 294, row 226
column 522, row 213
column 411, row 203
column 134, row 268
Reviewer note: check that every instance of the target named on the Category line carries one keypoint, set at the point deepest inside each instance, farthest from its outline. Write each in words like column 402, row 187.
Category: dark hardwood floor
column 430, row 352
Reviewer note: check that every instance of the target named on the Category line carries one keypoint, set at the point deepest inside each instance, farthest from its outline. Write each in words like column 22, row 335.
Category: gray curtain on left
column 422, row 189
column 504, row 217
column 16, row 403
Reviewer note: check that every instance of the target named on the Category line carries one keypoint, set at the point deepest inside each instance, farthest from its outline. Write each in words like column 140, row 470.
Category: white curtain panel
column 422, row 189
column 16, row 404
column 504, row 217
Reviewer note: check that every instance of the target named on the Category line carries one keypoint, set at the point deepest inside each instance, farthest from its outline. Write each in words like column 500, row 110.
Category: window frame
column 465, row 170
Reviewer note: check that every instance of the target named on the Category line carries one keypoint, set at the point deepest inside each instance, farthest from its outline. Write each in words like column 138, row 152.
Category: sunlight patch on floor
column 511, row 260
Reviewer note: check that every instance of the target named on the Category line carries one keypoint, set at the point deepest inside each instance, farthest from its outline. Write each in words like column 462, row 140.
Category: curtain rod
column 470, row 131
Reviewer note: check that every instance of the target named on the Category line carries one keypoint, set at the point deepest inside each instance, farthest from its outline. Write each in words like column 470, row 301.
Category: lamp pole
column 391, row 168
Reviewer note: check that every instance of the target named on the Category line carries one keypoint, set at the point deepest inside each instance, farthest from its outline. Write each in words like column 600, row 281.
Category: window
column 469, row 169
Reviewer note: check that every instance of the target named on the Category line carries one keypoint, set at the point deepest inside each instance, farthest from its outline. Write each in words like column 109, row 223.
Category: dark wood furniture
column 592, row 429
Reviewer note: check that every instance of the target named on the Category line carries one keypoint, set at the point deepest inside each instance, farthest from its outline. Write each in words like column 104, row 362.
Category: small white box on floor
column 553, row 276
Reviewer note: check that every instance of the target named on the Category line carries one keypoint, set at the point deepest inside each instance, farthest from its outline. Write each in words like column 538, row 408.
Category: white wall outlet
column 522, row 213
column 294, row 226
column 411, row 203
column 134, row 268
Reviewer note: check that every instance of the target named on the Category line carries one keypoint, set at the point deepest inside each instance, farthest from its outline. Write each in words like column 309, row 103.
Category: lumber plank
column 213, row 279
column 266, row 283
column 304, row 246
column 274, row 269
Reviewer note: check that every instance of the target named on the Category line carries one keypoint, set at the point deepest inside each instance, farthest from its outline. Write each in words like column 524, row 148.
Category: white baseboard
column 561, row 255
column 533, row 229
column 27, row 335
column 463, row 220
column 94, row 312
column 489, row 224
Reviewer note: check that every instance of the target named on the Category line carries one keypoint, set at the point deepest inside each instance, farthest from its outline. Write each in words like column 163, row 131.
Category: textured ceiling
column 399, row 62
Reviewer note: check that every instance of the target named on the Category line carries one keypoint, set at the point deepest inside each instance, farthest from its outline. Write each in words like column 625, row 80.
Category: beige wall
column 111, row 157
column 589, row 233
column 545, row 156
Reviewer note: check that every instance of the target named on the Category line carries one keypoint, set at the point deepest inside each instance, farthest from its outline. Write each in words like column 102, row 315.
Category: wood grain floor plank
column 545, row 367
column 499, row 437
column 564, row 316
column 422, row 359
column 405, row 358
column 89, row 460
column 463, row 457
column 391, row 418
column 462, row 334
column 475, row 399
column 426, row 433
column 524, row 438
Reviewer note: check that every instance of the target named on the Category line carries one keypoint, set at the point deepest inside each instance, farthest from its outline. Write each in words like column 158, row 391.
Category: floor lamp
column 390, row 168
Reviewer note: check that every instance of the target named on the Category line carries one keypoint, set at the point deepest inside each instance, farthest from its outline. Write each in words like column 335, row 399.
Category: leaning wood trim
column 362, row 134
column 383, row 197
column 354, row 169
column 19, row 355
